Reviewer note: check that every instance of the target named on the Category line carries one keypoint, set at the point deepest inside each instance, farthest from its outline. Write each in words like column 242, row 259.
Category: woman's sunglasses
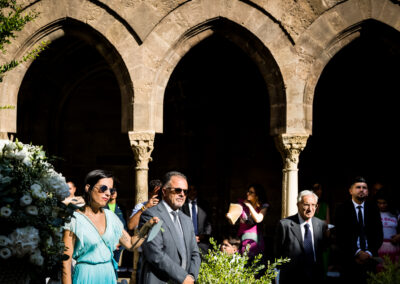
column 104, row 188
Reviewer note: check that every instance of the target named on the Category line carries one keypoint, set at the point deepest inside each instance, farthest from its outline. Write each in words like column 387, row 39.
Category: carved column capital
column 142, row 143
column 290, row 147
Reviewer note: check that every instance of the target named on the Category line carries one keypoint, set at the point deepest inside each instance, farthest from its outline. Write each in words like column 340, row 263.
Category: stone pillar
column 142, row 144
column 290, row 147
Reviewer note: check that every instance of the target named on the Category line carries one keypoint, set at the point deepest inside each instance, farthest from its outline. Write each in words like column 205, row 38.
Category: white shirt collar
column 356, row 204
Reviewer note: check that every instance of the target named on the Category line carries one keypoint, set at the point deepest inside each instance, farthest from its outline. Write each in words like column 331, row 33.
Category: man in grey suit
column 172, row 256
column 302, row 238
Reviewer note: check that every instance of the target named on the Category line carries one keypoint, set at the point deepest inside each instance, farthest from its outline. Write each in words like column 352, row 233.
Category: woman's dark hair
column 92, row 178
column 260, row 192
column 383, row 194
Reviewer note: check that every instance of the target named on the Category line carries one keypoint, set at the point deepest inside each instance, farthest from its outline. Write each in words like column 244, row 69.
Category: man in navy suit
column 173, row 255
column 302, row 238
column 359, row 233
column 197, row 210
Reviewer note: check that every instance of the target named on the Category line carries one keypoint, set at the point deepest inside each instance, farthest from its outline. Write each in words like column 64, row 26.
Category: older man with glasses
column 173, row 254
column 302, row 238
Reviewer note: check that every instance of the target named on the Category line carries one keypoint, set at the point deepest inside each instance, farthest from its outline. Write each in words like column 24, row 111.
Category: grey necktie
column 180, row 240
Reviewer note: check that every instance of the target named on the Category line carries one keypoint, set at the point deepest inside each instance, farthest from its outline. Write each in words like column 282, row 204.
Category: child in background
column 230, row 245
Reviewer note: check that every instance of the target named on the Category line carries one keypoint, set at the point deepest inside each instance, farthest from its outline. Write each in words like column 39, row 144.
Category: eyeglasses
column 178, row 190
column 104, row 188
column 251, row 192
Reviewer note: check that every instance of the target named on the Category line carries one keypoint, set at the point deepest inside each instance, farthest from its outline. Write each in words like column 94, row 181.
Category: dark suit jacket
column 203, row 224
column 289, row 243
column 161, row 256
column 347, row 229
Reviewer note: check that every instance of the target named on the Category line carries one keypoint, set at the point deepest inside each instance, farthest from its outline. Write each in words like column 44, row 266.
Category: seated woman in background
column 94, row 232
column 390, row 222
column 254, row 209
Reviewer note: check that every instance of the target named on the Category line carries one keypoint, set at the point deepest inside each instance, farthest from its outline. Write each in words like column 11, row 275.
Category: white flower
column 21, row 155
column 5, row 212
column 25, row 200
column 5, row 253
column 27, row 162
column 32, row 210
column 37, row 191
column 24, row 240
column 9, row 147
column 56, row 183
column 4, row 241
column 36, row 258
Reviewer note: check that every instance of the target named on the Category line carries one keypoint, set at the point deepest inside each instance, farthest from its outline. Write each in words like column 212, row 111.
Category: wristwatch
column 143, row 208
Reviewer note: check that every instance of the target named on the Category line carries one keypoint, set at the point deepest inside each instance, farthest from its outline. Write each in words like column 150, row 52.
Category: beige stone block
column 390, row 14
column 143, row 20
column 350, row 13
column 74, row 8
column 193, row 13
column 158, row 118
column 170, row 30
column 116, row 33
column 141, row 116
column 377, row 7
column 212, row 8
column 255, row 20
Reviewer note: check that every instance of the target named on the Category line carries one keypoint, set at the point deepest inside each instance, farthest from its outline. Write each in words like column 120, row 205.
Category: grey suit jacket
column 161, row 258
column 289, row 243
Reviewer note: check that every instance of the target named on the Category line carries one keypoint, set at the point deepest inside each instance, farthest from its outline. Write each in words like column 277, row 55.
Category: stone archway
column 74, row 101
column 355, row 114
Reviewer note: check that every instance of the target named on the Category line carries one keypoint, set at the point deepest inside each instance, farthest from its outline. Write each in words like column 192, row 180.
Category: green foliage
column 11, row 21
column 219, row 267
column 389, row 275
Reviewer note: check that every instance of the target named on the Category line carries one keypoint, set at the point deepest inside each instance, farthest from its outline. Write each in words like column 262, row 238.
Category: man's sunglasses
column 104, row 188
column 178, row 190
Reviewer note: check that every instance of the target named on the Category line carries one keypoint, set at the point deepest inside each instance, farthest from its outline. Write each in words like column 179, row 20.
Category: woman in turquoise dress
column 93, row 234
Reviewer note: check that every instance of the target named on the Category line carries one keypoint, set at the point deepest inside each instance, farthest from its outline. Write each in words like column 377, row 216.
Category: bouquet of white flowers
column 31, row 211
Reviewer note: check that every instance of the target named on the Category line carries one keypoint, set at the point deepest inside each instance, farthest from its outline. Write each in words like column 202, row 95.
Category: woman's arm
column 135, row 241
column 69, row 241
column 257, row 217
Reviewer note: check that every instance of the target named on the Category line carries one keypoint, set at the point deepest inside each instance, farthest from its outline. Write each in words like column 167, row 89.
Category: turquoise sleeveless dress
column 94, row 252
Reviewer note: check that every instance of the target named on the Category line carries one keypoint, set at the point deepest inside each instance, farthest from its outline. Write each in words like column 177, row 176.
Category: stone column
column 142, row 144
column 290, row 147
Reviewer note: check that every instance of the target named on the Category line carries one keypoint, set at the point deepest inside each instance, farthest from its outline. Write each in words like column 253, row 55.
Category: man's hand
column 188, row 280
column 362, row 257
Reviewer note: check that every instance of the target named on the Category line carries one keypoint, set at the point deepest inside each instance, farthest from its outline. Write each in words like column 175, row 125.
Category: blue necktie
column 194, row 218
column 308, row 246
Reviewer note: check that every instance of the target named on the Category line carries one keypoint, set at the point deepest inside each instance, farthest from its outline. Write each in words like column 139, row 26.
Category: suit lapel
column 170, row 225
column 295, row 229
column 316, row 229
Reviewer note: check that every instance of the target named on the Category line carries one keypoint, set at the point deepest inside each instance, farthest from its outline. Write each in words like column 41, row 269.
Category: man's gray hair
column 305, row 193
